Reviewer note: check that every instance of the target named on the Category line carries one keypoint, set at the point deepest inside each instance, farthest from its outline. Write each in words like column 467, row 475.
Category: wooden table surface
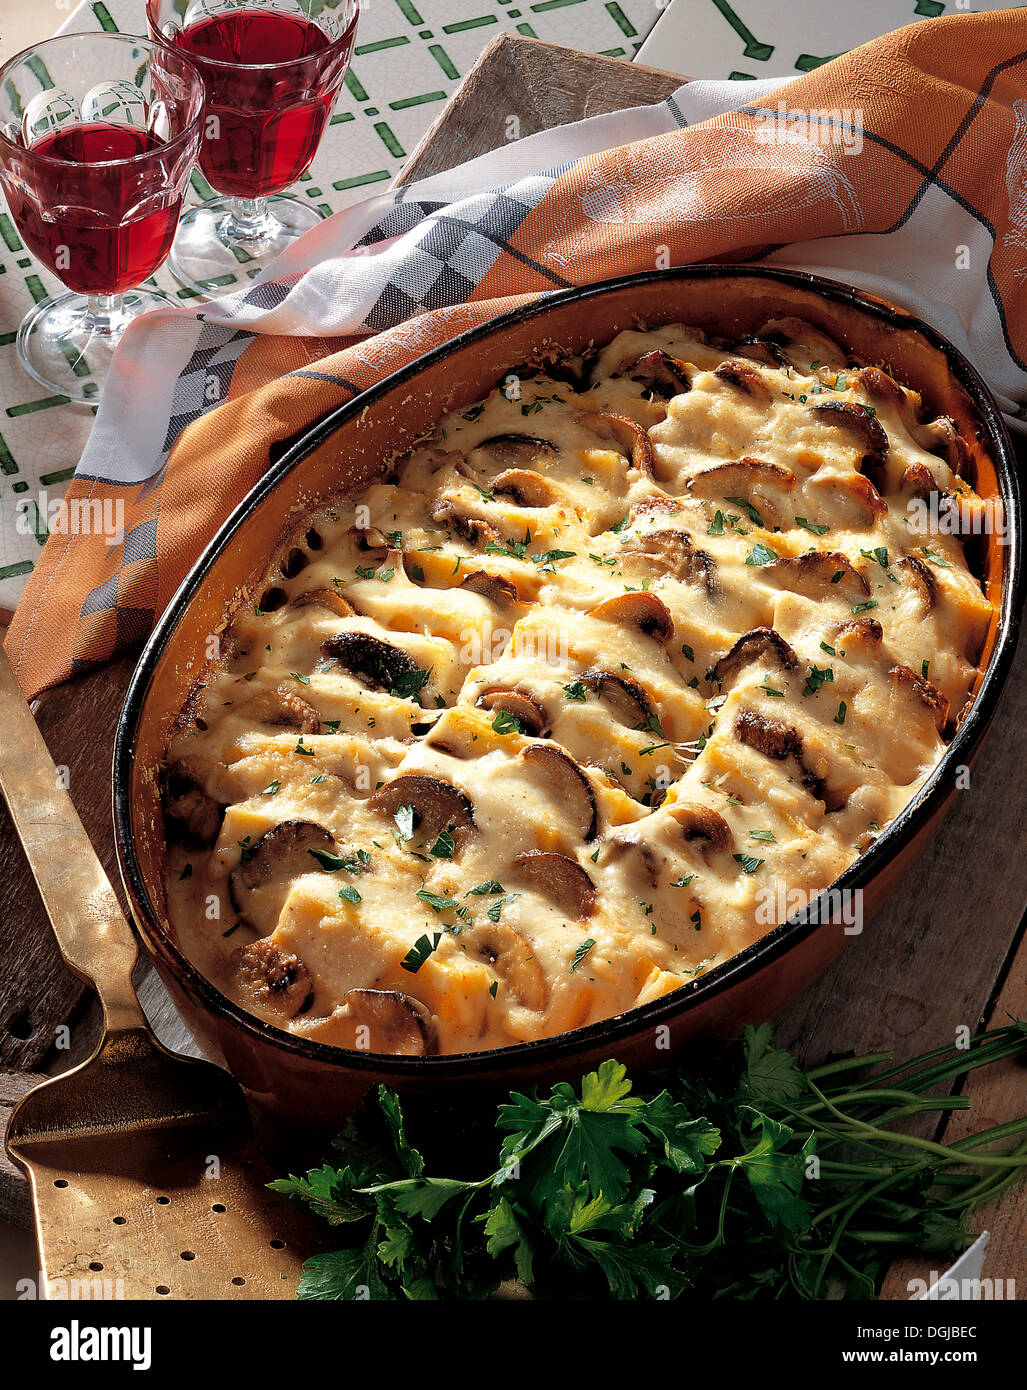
column 946, row 952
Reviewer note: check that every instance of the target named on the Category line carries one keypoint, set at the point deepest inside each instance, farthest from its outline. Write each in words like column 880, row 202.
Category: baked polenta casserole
column 567, row 707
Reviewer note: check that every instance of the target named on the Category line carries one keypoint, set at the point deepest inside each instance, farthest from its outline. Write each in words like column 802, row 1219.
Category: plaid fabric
column 928, row 208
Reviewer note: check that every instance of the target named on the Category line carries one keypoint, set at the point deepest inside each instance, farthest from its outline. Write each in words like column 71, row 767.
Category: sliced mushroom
column 283, row 709
column 628, row 433
column 376, row 664
column 927, row 693
column 371, row 541
column 858, row 420
column 862, row 632
column 921, row 579
column 491, row 586
column 295, row 561
column 642, row 610
column 918, row 481
column 574, row 794
column 627, row 697
column 740, row 476
column 700, row 822
column 942, row 434
column 519, row 450
column 188, row 801
column 877, row 383
column 744, row 377
column 527, row 489
column 398, row 1023
column 511, row 958
column 270, row 978
column 753, row 646
column 780, row 741
column 673, row 553
column 794, row 332
column 521, row 705
column 665, row 376
column 446, row 512
column 438, row 805
column 259, row 885
column 325, row 598
column 766, row 349
column 563, row 881
column 863, row 490
column 818, row 574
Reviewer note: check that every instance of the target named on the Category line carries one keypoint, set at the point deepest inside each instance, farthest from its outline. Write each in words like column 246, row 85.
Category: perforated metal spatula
column 142, row 1165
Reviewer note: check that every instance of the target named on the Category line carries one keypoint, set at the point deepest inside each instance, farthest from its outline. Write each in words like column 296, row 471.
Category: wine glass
column 272, row 70
column 98, row 133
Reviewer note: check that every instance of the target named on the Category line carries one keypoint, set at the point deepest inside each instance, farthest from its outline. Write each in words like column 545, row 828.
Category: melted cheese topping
column 562, row 712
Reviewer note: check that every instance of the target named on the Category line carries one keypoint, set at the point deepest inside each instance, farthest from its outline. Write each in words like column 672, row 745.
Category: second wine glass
column 271, row 70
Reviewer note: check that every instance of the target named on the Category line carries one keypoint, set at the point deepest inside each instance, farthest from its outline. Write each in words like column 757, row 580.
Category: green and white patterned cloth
column 410, row 57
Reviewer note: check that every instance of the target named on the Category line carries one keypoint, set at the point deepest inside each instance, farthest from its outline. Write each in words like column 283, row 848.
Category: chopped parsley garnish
column 815, row 678
column 581, row 952
column 420, row 951
column 272, row 787
column 840, row 716
column 483, row 890
column 507, row 723
column 751, row 511
column 410, row 683
column 811, row 526
column 761, row 555
column 865, row 607
column 575, row 691
column 766, row 835
column 444, row 846
column 349, row 894
column 748, row 863
column 436, row 901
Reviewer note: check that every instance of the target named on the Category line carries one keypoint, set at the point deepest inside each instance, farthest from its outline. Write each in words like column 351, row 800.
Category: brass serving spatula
column 145, row 1181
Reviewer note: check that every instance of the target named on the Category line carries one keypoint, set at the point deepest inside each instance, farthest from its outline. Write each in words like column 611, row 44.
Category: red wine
column 263, row 125
column 100, row 228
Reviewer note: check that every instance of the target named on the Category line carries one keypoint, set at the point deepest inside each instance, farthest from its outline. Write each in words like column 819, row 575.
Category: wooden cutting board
column 946, row 951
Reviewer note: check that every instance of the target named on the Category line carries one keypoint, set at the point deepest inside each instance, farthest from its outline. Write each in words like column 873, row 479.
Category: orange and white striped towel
column 900, row 168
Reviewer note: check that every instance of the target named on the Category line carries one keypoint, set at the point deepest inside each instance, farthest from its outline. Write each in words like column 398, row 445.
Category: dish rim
column 770, row 948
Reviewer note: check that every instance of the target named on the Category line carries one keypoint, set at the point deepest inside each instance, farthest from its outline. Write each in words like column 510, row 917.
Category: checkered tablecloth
column 410, row 56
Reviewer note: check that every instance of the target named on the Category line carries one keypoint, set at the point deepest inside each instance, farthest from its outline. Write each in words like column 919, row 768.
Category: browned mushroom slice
column 700, row 822
column 942, row 435
column 752, row 646
column 817, row 574
column 862, row 632
column 491, row 586
column 376, row 664
column 283, row 709
column 780, row 741
column 527, row 489
column 918, row 481
column 673, row 553
column 628, row 433
column 740, row 476
column 866, row 494
column 629, row 700
column 665, row 376
column 921, row 579
column 187, row 800
column 446, row 512
column 438, row 805
column 294, row 561
column 858, row 420
column 563, row 881
column 270, row 978
column 511, row 958
column 927, row 693
column 260, row 883
column 793, row 332
column 397, row 1023
column 574, row 794
column 325, row 598
column 644, row 611
column 744, row 377
column 877, row 383
column 766, row 350
column 371, row 541
column 519, row 450
column 521, row 705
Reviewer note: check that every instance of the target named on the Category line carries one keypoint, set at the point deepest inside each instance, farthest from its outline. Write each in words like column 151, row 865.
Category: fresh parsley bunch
column 747, row 1178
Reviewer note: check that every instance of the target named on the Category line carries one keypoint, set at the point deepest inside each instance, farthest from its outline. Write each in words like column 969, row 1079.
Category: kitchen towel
column 900, row 168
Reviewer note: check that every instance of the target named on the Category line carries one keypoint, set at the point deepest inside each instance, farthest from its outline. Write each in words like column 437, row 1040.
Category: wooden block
column 542, row 85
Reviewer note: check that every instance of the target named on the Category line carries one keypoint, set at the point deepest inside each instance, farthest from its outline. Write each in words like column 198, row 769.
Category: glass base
column 67, row 343
column 221, row 245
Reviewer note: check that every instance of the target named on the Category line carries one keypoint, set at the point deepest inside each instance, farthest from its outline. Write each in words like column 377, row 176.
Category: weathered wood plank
column 520, row 86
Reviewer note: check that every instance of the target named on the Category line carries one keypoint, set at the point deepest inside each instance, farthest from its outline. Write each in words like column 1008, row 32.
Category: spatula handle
column 94, row 937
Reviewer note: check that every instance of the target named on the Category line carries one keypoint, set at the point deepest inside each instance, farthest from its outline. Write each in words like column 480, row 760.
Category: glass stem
column 104, row 312
column 249, row 220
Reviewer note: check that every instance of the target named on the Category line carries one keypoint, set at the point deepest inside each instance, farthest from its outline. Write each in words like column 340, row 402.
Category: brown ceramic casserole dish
column 311, row 1082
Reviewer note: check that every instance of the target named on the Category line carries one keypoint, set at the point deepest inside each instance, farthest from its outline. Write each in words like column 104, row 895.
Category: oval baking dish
column 316, row 1083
